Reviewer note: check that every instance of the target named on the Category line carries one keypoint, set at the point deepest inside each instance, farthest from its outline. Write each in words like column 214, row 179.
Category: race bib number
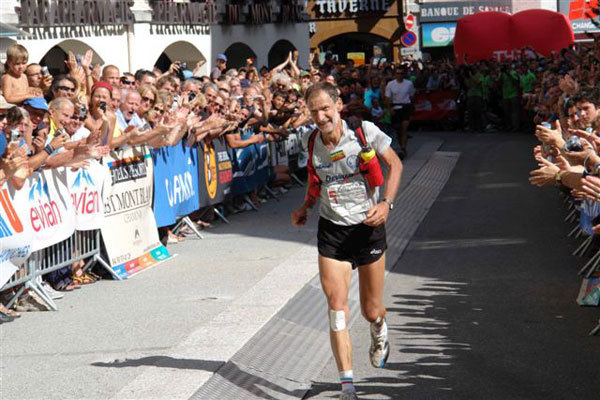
column 348, row 198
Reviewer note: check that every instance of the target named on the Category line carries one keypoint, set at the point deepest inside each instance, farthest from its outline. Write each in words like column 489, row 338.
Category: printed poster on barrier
column 86, row 186
column 215, row 172
column 244, row 166
column 16, row 234
column 589, row 293
column 51, row 213
column 175, row 182
column 129, row 230
column 263, row 169
column 435, row 106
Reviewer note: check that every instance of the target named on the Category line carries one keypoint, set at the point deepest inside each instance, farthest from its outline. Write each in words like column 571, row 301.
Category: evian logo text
column 85, row 201
column 44, row 212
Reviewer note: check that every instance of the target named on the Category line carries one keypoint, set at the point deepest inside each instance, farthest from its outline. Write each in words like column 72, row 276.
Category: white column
column 142, row 14
column 141, row 11
column 8, row 15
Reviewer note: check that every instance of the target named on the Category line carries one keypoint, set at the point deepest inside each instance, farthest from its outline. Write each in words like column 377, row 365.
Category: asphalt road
column 482, row 303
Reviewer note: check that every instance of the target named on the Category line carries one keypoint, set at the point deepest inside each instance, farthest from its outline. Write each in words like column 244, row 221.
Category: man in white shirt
column 351, row 232
column 399, row 94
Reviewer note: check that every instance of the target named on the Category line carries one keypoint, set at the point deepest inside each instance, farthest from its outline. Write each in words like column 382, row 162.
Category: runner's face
column 325, row 112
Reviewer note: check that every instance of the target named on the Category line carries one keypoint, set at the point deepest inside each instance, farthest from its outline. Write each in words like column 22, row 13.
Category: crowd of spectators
column 64, row 120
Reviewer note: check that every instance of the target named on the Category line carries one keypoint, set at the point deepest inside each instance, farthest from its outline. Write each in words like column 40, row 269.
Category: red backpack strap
column 356, row 125
column 314, row 182
column 311, row 145
column 361, row 136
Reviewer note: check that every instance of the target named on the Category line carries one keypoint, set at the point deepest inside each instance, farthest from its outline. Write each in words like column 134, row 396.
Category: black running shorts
column 359, row 244
column 402, row 114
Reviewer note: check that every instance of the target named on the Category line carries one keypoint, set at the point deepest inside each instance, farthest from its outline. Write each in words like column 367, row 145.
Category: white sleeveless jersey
column 345, row 196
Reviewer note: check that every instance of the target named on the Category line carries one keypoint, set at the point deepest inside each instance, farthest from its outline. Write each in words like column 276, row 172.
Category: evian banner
column 16, row 234
column 86, row 186
column 129, row 229
column 51, row 214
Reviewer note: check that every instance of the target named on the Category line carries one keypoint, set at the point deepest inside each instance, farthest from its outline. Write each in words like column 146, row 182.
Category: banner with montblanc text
column 175, row 182
column 129, row 230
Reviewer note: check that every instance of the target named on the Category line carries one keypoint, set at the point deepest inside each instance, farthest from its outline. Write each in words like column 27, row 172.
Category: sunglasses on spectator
column 158, row 109
column 77, row 118
column 127, row 82
column 147, row 99
column 2, row 116
column 66, row 89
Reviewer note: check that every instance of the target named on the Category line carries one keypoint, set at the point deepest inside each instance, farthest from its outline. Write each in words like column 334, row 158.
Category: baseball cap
column 304, row 73
column 39, row 103
column 222, row 57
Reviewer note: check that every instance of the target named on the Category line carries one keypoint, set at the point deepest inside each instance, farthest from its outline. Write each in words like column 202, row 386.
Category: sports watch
column 389, row 203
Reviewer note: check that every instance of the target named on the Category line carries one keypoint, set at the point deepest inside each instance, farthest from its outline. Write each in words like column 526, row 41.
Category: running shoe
column 380, row 347
column 348, row 395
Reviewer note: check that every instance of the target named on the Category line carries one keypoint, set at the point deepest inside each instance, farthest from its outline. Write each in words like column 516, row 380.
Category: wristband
column 49, row 149
column 585, row 160
column 558, row 177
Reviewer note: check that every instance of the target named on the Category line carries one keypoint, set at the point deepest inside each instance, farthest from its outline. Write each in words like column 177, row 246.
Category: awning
column 7, row 30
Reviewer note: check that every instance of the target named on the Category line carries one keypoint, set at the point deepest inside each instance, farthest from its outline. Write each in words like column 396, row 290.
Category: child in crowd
column 15, row 86
column 376, row 110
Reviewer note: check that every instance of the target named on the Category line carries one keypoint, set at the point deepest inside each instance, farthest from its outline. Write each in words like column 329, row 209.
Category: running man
column 351, row 231
column 399, row 94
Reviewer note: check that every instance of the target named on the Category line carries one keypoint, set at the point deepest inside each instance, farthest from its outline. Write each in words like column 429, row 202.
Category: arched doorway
column 179, row 51
column 237, row 54
column 55, row 58
column 369, row 44
column 279, row 52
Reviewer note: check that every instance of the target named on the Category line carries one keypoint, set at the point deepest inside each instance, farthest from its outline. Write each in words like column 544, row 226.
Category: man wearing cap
column 221, row 65
column 37, row 107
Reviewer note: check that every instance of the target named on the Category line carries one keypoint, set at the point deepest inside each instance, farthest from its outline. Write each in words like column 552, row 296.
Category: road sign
column 407, row 51
column 409, row 22
column 408, row 39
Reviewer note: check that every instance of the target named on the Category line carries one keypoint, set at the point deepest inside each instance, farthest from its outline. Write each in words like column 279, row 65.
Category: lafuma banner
column 16, row 234
column 175, row 182
column 51, row 213
column 129, row 230
column 86, row 186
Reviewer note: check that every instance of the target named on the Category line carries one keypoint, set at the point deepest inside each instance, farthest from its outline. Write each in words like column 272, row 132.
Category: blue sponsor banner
column 244, row 166
column 251, row 167
column 263, row 168
column 438, row 35
column 175, row 182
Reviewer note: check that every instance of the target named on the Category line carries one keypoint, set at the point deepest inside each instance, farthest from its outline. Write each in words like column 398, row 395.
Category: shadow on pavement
column 163, row 362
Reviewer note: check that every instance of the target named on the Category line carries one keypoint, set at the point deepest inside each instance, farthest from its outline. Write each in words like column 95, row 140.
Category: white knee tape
column 337, row 320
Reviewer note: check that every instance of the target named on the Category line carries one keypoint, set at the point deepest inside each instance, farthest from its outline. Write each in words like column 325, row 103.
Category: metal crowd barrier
column 80, row 246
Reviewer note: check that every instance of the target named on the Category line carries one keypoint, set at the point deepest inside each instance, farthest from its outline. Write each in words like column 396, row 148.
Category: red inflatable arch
column 493, row 34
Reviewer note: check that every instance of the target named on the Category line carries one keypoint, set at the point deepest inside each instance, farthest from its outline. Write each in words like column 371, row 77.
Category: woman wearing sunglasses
column 64, row 86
